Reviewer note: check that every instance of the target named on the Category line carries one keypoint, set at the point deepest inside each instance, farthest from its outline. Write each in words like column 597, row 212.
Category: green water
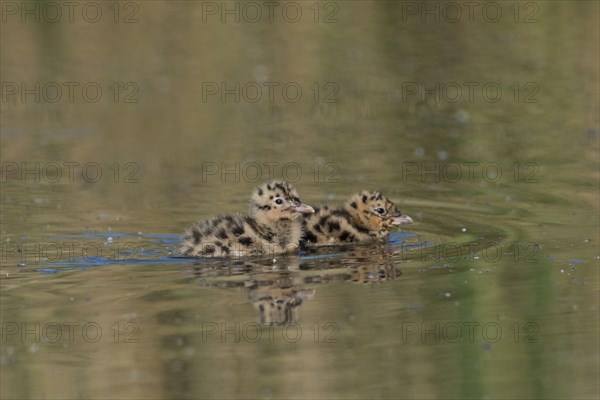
column 120, row 129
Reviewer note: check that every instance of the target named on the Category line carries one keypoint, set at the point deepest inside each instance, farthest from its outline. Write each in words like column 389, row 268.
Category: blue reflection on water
column 160, row 251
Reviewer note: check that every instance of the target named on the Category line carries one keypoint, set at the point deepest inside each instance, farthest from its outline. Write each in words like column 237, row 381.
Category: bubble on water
column 419, row 152
column 462, row 116
column 135, row 375
column 447, row 294
column 226, row 374
column 189, row 351
column 319, row 160
column 260, row 73
column 464, row 229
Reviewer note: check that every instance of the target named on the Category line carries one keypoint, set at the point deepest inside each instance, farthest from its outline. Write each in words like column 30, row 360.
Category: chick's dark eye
column 380, row 210
column 279, row 201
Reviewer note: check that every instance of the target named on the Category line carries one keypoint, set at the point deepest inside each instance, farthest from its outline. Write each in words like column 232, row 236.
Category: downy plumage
column 365, row 216
column 273, row 225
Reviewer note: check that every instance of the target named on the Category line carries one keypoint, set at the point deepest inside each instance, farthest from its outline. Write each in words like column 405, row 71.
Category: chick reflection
column 279, row 306
column 277, row 291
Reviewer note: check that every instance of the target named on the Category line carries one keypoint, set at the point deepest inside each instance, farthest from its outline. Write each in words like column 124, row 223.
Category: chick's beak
column 303, row 208
column 401, row 220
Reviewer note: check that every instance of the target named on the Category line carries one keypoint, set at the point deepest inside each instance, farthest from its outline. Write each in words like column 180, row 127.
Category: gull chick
column 365, row 216
column 273, row 225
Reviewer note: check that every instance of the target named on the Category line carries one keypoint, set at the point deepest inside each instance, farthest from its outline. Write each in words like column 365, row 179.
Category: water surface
column 492, row 293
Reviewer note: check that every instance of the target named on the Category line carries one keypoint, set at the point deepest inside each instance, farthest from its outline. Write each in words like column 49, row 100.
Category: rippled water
column 491, row 293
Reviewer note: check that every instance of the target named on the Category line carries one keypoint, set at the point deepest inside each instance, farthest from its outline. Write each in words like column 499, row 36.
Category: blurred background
column 124, row 122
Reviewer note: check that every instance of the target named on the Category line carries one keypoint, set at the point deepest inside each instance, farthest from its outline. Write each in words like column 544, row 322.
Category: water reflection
column 277, row 289
column 452, row 272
